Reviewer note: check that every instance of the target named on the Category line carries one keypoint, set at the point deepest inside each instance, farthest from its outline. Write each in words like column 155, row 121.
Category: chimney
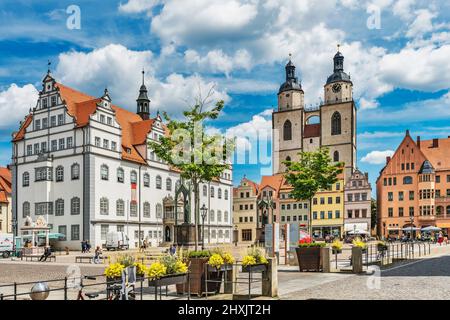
column 407, row 132
column 418, row 141
column 435, row 143
column 388, row 159
column 366, row 174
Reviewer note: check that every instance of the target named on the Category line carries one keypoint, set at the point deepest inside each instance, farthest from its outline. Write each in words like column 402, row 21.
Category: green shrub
column 199, row 254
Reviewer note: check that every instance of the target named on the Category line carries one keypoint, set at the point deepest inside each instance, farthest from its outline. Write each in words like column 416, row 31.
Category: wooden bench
column 36, row 257
column 80, row 259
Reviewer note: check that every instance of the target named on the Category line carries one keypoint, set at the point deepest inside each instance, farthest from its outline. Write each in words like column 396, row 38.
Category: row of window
column 400, row 212
column 294, row 218
column 408, row 165
column 351, row 197
column 212, row 216
column 44, row 208
column 329, row 200
column 219, row 192
column 46, row 174
column 400, row 196
column 44, row 123
column 55, row 145
column 45, row 102
column 106, row 144
column 74, row 232
column 337, row 215
column 245, row 219
column 246, row 207
column 355, row 213
column 294, row 206
column 120, row 208
column 423, row 211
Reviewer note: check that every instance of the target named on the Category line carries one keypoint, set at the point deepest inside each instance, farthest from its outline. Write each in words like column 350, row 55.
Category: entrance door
column 167, row 234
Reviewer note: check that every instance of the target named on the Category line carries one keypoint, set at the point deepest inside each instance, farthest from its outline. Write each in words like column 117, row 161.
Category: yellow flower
column 248, row 261
column 156, row 270
column 357, row 242
column 337, row 245
column 180, row 267
column 263, row 259
column 216, row 261
column 228, row 258
column 141, row 269
column 114, row 270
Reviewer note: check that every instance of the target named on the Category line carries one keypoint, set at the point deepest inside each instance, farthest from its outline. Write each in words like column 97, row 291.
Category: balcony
column 427, row 218
column 169, row 217
column 442, row 201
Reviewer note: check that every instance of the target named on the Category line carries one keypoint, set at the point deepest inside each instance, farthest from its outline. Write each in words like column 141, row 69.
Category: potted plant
column 254, row 261
column 336, row 246
column 141, row 270
column 357, row 242
column 169, row 270
column 309, row 257
column 218, row 263
column 197, row 261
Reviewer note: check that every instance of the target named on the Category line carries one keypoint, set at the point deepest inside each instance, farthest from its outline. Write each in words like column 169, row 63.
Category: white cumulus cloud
column 15, row 103
column 377, row 157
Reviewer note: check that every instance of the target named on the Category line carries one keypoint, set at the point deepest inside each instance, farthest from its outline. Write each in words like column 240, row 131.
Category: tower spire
column 143, row 102
column 48, row 66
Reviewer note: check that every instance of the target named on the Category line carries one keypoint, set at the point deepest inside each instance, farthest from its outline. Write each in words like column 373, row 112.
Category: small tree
column 312, row 173
column 373, row 213
column 198, row 156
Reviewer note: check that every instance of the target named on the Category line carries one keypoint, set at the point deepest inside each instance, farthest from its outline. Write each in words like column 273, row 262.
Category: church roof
column 290, row 85
column 338, row 76
column 81, row 106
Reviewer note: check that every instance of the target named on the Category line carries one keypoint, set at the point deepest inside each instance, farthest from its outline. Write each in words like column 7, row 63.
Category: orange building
column 414, row 187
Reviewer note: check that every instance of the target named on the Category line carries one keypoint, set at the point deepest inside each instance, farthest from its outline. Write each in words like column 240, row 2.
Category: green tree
column 373, row 213
column 188, row 148
column 313, row 172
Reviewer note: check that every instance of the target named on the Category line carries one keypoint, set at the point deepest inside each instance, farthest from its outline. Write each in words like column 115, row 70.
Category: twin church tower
column 332, row 124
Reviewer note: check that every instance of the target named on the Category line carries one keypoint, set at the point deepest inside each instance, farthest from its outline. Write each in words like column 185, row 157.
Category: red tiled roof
column 438, row 156
column 311, row 130
column 273, row 182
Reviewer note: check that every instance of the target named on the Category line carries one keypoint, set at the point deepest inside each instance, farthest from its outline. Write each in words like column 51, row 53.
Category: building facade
column 328, row 211
column 6, row 221
column 413, row 189
column 292, row 211
column 245, row 202
column 84, row 165
column 357, row 203
column 331, row 125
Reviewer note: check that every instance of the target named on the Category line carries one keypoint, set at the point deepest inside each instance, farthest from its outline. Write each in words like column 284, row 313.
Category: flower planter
column 197, row 277
column 223, row 268
column 214, row 281
column 168, row 280
column 259, row 267
column 309, row 259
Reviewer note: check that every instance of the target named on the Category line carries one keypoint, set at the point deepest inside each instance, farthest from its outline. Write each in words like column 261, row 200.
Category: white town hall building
column 84, row 165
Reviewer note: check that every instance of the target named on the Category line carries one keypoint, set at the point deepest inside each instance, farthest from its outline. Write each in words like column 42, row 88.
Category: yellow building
column 245, row 211
column 328, row 211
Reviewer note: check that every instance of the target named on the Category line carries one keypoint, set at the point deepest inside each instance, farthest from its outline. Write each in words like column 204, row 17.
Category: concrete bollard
column 325, row 259
column 357, row 262
column 270, row 279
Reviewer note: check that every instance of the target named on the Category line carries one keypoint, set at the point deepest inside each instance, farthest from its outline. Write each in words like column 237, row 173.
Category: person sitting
column 47, row 253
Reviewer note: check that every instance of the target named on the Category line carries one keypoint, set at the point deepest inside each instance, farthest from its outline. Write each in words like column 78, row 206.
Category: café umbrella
column 42, row 235
column 431, row 229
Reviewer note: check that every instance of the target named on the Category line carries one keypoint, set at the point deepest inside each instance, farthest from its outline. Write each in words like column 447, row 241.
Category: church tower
column 338, row 117
column 287, row 120
column 143, row 102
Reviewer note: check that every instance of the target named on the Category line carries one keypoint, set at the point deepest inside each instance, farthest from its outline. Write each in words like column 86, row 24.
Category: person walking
column 47, row 253
column 97, row 255
column 440, row 238
column 83, row 246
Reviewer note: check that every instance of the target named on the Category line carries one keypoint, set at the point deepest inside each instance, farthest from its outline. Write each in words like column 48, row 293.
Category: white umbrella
column 431, row 228
column 409, row 229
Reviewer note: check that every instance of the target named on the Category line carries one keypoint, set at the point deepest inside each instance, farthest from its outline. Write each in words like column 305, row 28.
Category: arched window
column 336, row 123
column 225, row 217
column 133, row 177
column 25, row 179
column 219, row 193
column 133, row 209
column 26, row 209
column 212, row 192
column 287, row 130
column 205, row 190
column 120, row 208
column 104, row 172
column 75, row 171
column 59, row 207
column 158, row 182
column 120, row 175
column 146, row 180
column 336, row 156
column 146, row 210
column 211, row 216
column 169, row 184
column 158, row 211
column 226, row 194
column 407, row 180
column 104, row 206
column 219, row 216
column 75, row 206
column 59, row 173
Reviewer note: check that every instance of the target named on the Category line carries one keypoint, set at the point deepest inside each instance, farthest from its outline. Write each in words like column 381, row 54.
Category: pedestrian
column 47, row 253
column 88, row 246
column 440, row 238
column 83, row 246
column 97, row 254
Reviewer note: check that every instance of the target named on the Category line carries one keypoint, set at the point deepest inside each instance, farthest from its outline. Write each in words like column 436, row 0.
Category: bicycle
column 114, row 291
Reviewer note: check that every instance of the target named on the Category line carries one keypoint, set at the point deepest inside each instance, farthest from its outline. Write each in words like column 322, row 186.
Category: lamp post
column 203, row 209
column 411, row 220
column 236, row 235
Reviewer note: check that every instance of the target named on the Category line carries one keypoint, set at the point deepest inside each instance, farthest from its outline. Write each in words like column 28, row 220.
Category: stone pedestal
column 229, row 278
column 325, row 259
column 270, row 279
column 185, row 234
column 293, row 260
column 357, row 263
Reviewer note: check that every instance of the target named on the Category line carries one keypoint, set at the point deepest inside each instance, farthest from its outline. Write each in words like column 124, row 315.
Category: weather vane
column 48, row 65
column 338, row 46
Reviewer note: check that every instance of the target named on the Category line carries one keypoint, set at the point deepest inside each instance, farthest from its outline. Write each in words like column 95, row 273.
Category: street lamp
column 411, row 219
column 203, row 209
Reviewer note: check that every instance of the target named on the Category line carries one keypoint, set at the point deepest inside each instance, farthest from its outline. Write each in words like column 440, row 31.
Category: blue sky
column 395, row 50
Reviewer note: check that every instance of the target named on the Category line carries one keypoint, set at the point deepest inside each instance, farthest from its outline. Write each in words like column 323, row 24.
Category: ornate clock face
column 336, row 87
